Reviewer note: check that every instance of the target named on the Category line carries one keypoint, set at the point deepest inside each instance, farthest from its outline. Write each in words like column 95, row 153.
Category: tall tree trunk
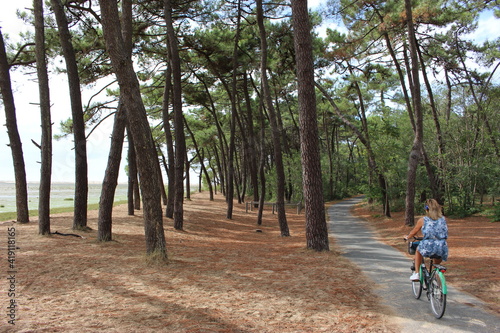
column 169, row 210
column 162, row 183
column 234, row 96
column 371, row 156
column 104, row 222
column 187, row 178
column 221, row 135
column 262, row 173
column 436, row 181
column 252, row 149
column 479, row 103
column 316, row 229
column 200, row 159
column 15, row 144
column 180, row 143
column 401, row 75
column 372, row 163
column 278, row 157
column 416, row 150
column 81, row 177
column 132, row 173
column 81, row 169
column 148, row 165
column 46, row 142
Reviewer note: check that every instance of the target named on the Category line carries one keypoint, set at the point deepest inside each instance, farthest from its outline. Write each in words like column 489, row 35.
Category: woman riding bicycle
column 435, row 231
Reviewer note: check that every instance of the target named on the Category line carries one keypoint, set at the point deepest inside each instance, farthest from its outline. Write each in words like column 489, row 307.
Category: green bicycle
column 433, row 281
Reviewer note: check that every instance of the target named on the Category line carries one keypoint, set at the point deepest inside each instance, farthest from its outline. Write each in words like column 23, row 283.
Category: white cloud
column 487, row 29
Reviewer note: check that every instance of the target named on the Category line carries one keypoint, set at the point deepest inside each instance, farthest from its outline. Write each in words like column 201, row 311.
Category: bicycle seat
column 435, row 257
column 440, row 268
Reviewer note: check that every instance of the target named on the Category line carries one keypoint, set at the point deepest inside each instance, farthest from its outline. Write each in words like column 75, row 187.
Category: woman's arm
column 416, row 229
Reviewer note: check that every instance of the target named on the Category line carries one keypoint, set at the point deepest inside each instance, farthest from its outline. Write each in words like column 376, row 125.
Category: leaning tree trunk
column 278, row 157
column 110, row 181
column 14, row 138
column 200, row 159
column 81, row 168
column 262, row 173
column 169, row 210
column 132, row 173
column 148, row 166
column 180, row 141
column 316, row 229
column 234, row 96
column 251, row 144
column 46, row 142
column 416, row 150
column 104, row 223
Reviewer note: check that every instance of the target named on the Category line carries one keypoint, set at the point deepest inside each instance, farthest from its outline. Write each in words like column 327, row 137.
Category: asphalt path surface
column 389, row 270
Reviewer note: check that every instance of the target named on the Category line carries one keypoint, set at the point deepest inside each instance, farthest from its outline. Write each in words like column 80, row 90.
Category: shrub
column 496, row 213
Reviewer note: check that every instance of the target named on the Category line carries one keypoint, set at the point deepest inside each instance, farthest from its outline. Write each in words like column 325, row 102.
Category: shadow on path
column 390, row 271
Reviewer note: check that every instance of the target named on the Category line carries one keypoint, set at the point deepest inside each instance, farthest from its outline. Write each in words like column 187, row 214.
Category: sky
column 28, row 114
column 28, row 120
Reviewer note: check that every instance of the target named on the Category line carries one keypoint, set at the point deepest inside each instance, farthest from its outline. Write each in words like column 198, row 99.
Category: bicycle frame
column 425, row 276
column 432, row 280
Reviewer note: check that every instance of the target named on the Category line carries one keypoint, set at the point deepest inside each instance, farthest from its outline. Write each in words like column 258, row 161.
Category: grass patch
column 34, row 212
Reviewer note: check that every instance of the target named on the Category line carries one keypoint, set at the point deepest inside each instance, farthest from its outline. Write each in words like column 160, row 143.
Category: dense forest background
column 406, row 103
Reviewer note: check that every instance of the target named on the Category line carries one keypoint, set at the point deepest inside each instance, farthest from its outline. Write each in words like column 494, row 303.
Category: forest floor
column 221, row 276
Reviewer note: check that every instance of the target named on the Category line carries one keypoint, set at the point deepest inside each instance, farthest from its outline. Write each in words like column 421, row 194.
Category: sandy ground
column 221, row 276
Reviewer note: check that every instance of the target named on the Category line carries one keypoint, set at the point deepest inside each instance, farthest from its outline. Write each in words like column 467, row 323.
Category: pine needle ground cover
column 222, row 276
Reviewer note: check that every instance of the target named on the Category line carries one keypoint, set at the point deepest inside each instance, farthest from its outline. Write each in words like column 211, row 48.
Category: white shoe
column 415, row 277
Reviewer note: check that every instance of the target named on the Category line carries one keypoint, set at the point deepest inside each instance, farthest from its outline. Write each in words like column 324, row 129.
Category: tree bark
column 262, row 173
column 233, row 96
column 316, row 228
column 104, row 231
column 200, row 158
column 81, row 168
column 278, row 157
column 416, row 150
column 180, row 143
column 15, row 144
column 104, row 223
column 46, row 141
column 436, row 182
column 132, row 173
column 148, row 165
column 169, row 210
column 372, row 163
column 251, row 144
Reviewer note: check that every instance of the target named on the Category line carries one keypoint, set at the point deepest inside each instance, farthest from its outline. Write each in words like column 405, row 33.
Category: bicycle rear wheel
column 438, row 298
column 416, row 286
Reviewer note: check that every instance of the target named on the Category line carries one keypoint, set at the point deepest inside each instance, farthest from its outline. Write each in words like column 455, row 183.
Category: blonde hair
column 434, row 210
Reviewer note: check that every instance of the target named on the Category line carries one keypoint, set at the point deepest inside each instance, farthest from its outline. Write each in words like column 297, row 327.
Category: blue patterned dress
column 435, row 235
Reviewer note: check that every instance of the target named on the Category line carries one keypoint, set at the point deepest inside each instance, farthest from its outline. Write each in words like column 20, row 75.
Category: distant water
column 61, row 195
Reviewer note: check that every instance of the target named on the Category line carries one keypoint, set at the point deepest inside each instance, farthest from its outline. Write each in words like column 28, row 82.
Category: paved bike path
column 389, row 270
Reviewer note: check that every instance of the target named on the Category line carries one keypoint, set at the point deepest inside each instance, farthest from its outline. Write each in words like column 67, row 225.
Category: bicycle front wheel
column 416, row 286
column 438, row 297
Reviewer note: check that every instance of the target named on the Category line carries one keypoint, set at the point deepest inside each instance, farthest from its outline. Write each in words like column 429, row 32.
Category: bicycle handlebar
column 415, row 238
